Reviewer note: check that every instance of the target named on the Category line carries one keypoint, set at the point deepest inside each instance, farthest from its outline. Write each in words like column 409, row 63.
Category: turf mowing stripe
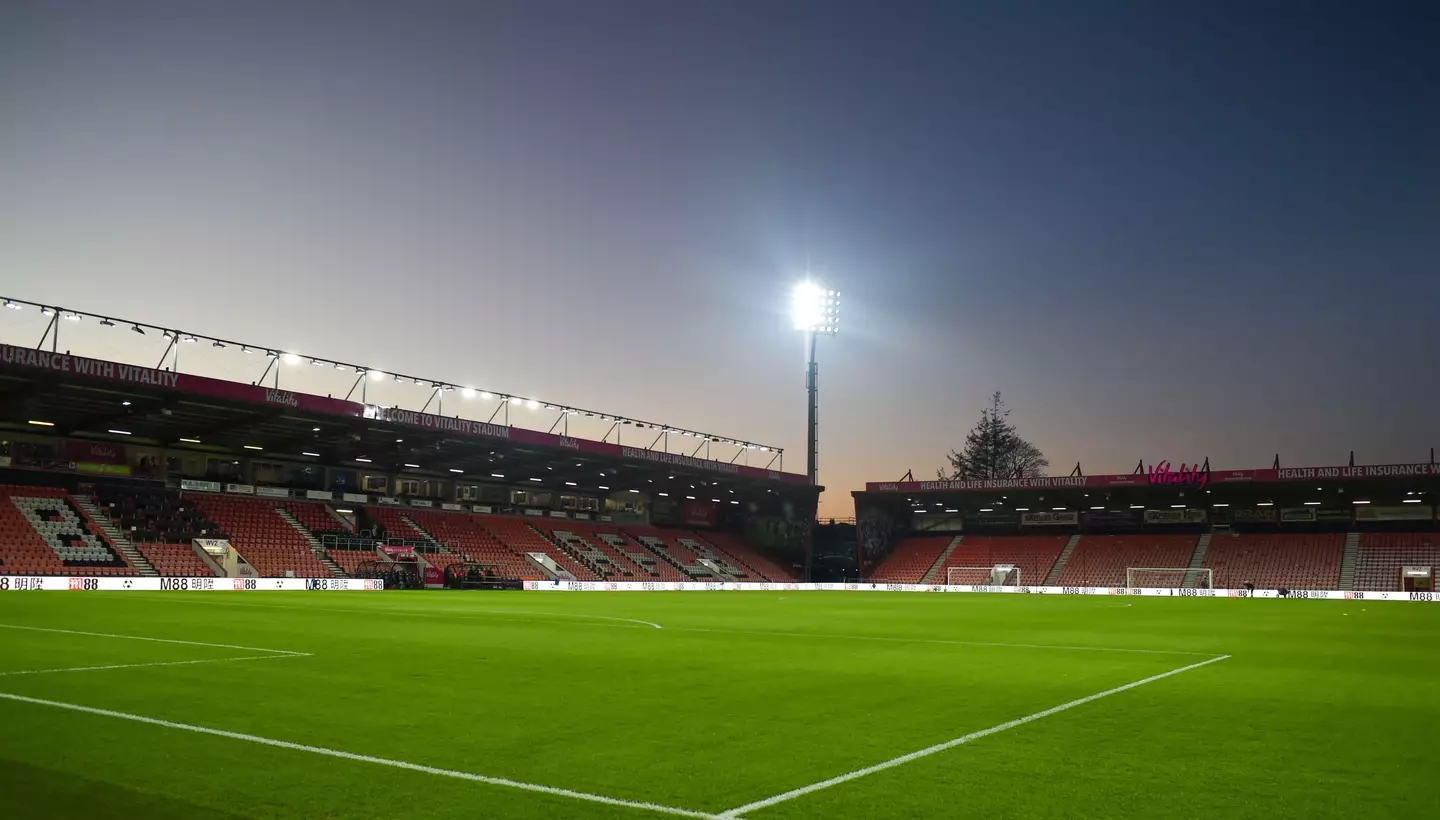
column 950, row 744
column 480, row 613
column 944, row 641
column 379, row 761
column 143, row 665
column 155, row 640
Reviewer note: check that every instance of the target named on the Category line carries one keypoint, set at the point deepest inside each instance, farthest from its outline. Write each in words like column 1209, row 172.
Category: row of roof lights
column 468, row 392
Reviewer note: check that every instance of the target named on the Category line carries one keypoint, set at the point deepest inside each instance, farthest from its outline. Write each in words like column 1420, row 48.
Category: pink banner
column 698, row 514
column 398, row 553
column 93, row 452
column 148, row 377
column 1138, row 479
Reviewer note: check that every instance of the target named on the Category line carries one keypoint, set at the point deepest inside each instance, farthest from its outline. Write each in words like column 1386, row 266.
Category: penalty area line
column 145, row 665
column 950, row 744
column 359, row 758
column 153, row 640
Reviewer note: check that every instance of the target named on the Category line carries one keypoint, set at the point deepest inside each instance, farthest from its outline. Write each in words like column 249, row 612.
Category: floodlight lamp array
column 816, row 309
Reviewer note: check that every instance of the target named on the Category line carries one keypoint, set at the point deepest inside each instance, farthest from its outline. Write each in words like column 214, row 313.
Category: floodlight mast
column 816, row 312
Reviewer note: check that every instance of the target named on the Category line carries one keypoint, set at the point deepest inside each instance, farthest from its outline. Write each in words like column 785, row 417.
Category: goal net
column 998, row 575
column 1169, row 578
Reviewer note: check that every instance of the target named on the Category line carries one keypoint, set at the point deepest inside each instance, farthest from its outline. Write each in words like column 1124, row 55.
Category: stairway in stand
column 314, row 543
column 1347, row 561
column 117, row 538
column 1197, row 560
column 423, row 533
column 933, row 573
column 1061, row 561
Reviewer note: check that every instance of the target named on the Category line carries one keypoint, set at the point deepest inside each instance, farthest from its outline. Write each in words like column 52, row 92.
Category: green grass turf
column 1326, row 709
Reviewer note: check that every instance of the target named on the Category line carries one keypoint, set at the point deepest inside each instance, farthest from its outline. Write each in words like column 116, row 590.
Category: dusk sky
column 1163, row 230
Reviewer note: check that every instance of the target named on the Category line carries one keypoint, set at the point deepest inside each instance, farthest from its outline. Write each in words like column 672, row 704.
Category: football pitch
column 756, row 705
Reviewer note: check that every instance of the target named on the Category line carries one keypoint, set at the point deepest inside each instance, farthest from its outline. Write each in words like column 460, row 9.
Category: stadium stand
column 1271, row 561
column 1382, row 554
column 665, row 546
column 315, row 517
column 461, row 533
column 740, row 554
column 1033, row 554
column 350, row 560
column 152, row 514
column 175, row 559
column 651, row 567
column 42, row 532
column 1101, row 560
column 519, row 536
column 912, row 559
column 266, row 540
column 582, row 543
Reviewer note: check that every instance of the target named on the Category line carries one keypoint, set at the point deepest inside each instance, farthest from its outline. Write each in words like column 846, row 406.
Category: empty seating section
column 713, row 564
column 519, row 536
column 350, row 560
column 175, row 559
column 669, row 549
column 42, row 533
column 747, row 557
column 1383, row 554
column 652, row 566
column 314, row 516
column 1101, row 560
column 1034, row 554
column 461, row 533
column 266, row 540
column 395, row 522
column 1269, row 561
column 582, row 543
column 151, row 514
column 912, row 559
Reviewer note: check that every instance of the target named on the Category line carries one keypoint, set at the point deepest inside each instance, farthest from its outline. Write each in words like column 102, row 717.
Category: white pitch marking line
column 571, row 615
column 379, row 761
column 143, row 665
column 155, row 640
column 950, row 744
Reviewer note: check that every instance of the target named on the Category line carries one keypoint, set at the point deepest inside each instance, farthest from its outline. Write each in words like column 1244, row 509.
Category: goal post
column 1169, row 578
column 996, row 575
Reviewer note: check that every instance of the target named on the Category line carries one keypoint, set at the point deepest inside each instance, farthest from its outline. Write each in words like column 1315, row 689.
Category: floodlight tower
column 816, row 311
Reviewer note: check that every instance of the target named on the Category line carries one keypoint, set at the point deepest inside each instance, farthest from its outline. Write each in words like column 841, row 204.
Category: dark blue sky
column 1163, row 230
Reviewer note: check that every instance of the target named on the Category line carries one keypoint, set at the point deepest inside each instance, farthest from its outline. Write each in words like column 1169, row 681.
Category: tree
column 995, row 450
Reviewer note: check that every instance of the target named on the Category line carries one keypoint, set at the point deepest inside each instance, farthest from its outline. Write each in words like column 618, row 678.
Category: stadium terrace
column 1346, row 529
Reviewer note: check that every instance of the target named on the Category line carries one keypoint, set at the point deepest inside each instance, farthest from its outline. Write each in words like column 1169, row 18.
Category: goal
column 1169, row 578
column 998, row 575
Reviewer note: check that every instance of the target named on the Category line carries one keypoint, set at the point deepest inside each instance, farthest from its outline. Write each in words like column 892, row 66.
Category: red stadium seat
column 1101, row 560
column 1270, row 561
column 1034, row 554
column 1383, row 554
column 265, row 539
column 43, row 532
column 912, row 559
